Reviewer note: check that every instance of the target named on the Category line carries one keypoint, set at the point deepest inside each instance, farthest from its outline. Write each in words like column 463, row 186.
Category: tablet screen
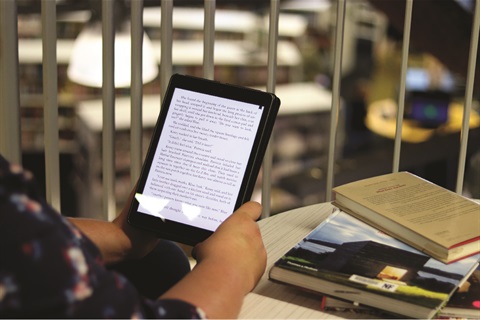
column 200, row 159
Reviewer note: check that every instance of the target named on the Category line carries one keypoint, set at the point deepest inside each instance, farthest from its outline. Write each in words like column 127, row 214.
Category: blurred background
column 369, row 89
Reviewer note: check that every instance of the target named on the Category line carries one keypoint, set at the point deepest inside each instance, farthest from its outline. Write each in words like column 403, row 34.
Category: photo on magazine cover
column 346, row 251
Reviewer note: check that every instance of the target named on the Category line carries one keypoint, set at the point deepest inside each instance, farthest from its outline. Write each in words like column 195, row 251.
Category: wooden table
column 271, row 300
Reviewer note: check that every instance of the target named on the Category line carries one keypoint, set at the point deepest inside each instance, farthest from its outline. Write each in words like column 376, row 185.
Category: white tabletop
column 271, row 300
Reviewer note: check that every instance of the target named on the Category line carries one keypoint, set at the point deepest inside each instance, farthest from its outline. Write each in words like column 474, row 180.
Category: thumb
column 251, row 208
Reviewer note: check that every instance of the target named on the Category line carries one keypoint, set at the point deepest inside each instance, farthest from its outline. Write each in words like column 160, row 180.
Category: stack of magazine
column 464, row 303
column 358, row 267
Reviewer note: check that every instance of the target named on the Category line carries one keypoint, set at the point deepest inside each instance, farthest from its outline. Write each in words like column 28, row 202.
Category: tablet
column 204, row 157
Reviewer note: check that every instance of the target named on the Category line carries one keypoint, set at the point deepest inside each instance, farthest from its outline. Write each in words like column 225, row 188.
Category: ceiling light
column 85, row 65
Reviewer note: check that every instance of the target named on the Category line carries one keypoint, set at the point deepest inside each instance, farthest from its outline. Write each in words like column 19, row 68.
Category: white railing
column 10, row 140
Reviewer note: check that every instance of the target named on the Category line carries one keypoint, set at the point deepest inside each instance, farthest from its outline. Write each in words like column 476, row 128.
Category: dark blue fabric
column 153, row 275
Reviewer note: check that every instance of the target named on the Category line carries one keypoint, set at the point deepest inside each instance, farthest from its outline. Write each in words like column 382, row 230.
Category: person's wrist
column 235, row 274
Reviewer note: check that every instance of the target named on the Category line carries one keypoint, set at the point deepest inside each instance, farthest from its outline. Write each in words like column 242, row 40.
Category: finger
column 251, row 208
column 194, row 252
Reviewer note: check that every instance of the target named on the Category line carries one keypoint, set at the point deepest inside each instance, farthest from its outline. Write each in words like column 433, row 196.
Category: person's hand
column 238, row 242
column 141, row 241
column 229, row 264
column 117, row 240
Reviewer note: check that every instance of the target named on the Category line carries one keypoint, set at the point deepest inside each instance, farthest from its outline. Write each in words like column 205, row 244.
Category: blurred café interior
column 435, row 90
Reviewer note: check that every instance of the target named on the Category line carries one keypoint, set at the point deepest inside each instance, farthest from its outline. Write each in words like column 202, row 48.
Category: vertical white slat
column 108, row 87
column 337, row 72
column 50, row 104
column 10, row 145
column 468, row 98
column 166, row 42
column 209, row 39
column 136, row 148
column 403, row 77
column 271, row 81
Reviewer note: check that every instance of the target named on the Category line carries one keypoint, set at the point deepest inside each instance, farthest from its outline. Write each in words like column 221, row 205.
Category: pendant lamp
column 85, row 65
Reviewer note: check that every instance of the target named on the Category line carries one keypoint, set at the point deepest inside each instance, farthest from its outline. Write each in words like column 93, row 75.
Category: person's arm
column 229, row 265
column 117, row 240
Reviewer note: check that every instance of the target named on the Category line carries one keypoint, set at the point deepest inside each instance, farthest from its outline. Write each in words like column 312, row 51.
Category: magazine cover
column 465, row 302
column 344, row 257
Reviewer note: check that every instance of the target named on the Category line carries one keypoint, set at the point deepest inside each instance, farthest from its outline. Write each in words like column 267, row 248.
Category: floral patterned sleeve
column 49, row 269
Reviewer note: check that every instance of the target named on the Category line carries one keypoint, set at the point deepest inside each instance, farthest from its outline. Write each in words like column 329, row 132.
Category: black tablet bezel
column 185, row 233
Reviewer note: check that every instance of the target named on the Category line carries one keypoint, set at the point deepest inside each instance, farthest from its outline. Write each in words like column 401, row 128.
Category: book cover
column 465, row 302
column 348, row 259
column 428, row 217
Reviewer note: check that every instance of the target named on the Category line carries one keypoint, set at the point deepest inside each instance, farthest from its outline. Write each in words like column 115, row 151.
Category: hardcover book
column 350, row 260
column 422, row 214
